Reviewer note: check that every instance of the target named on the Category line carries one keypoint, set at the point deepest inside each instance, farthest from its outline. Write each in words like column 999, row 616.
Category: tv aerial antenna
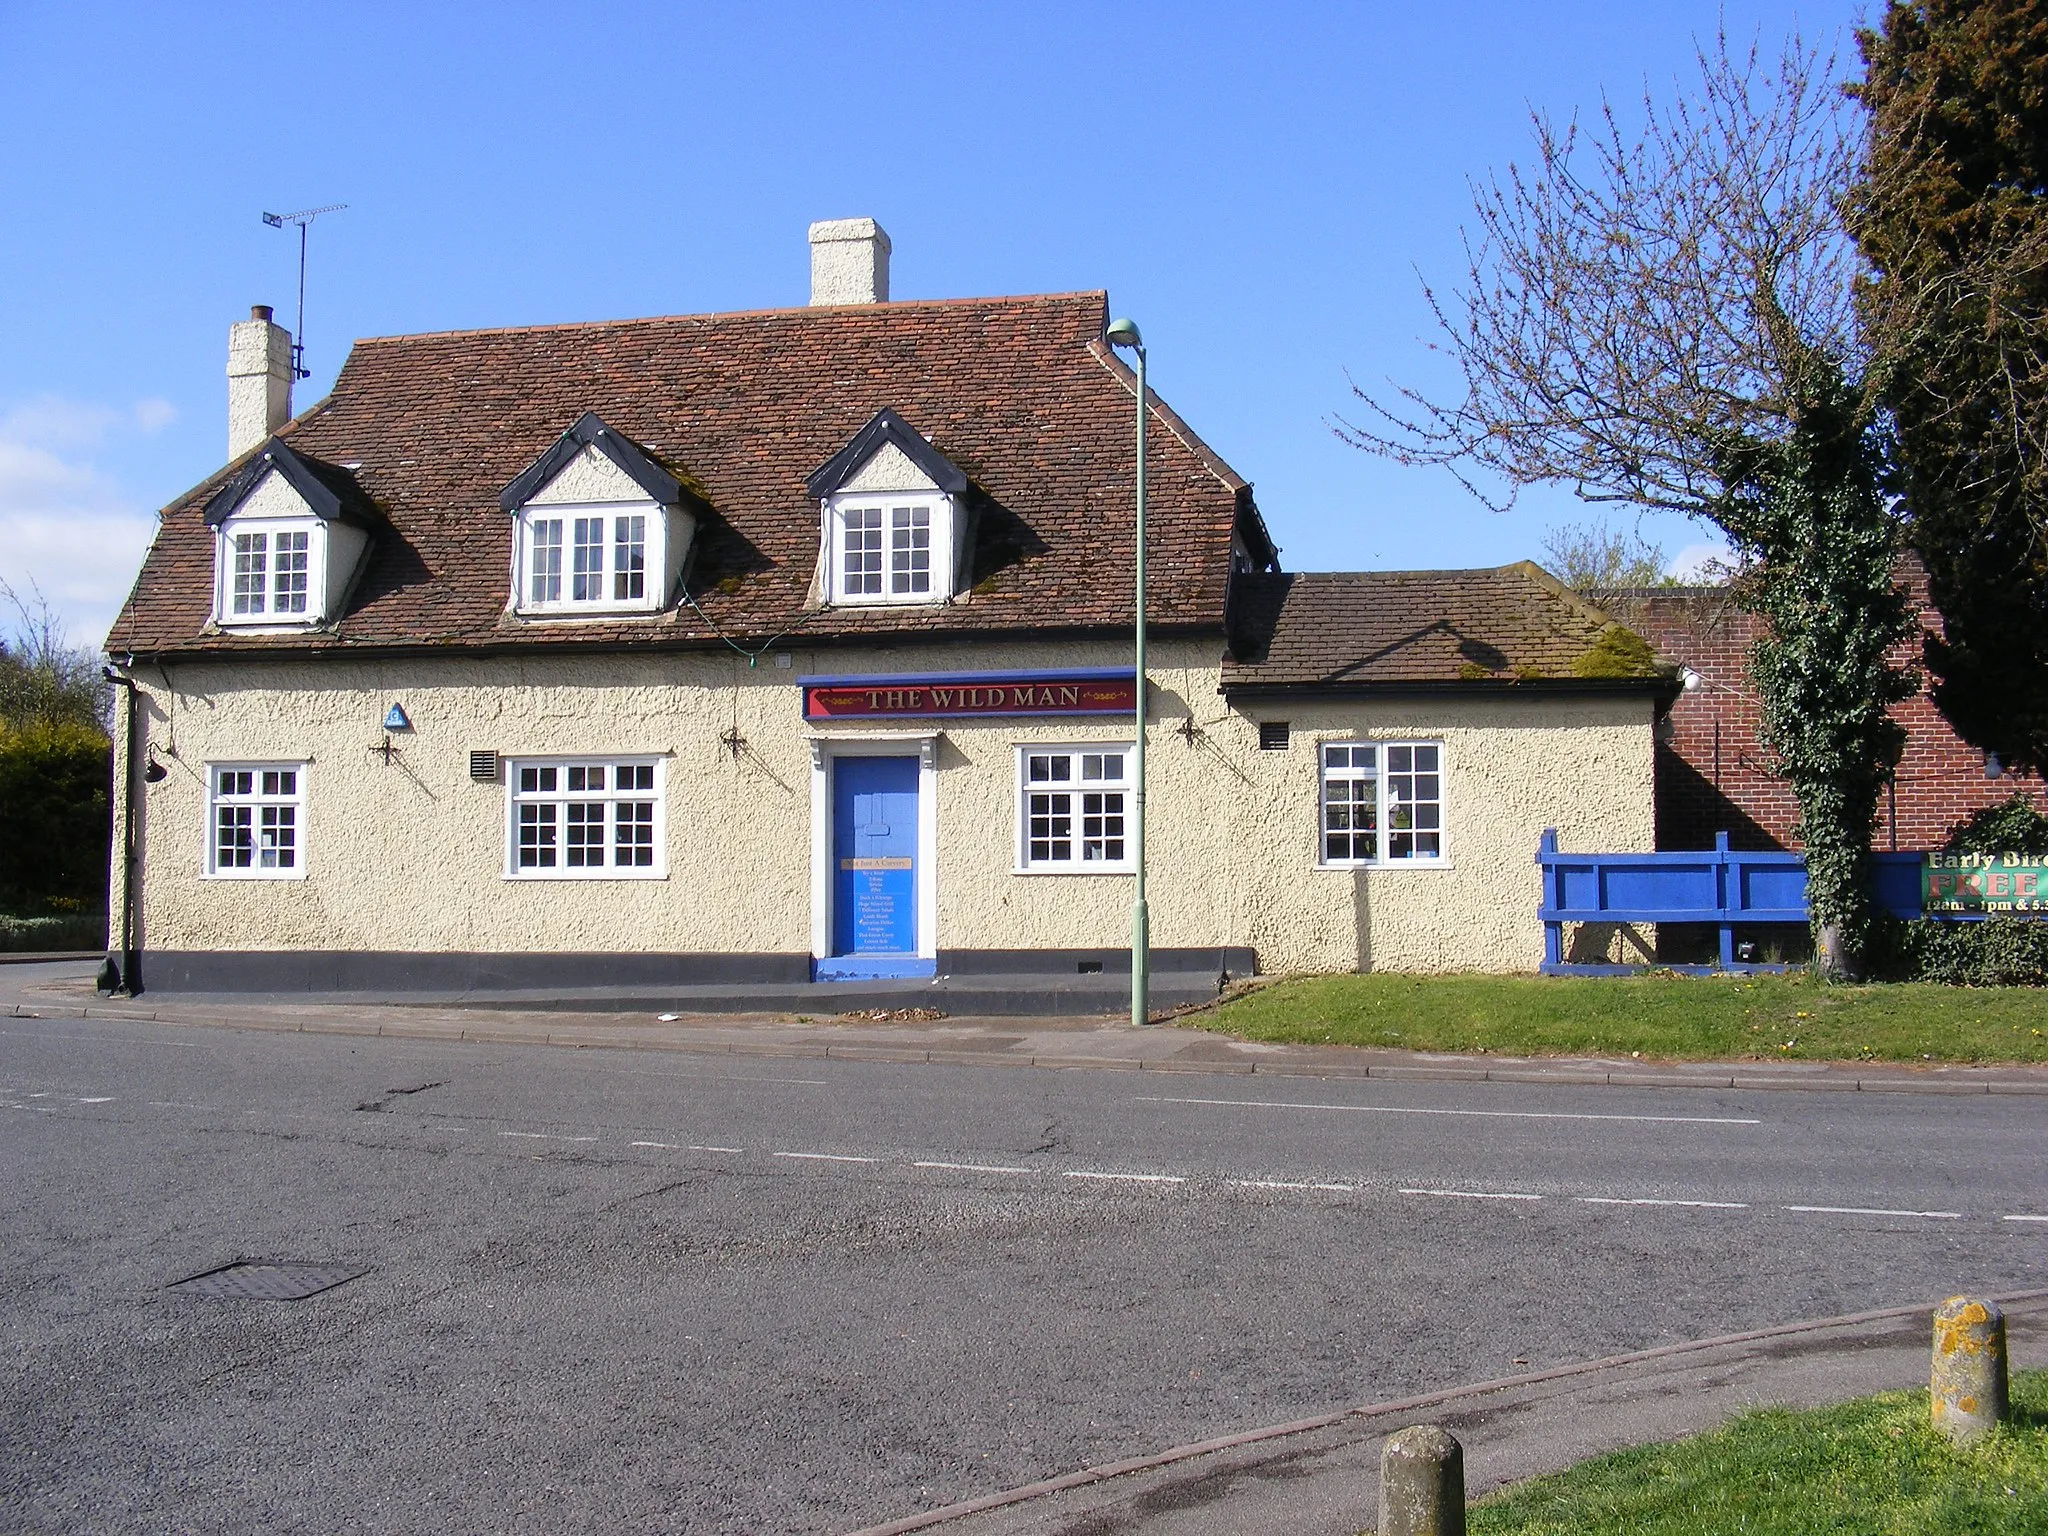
column 304, row 220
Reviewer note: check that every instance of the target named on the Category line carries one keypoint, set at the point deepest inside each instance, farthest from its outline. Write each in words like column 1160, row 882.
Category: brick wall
column 1712, row 775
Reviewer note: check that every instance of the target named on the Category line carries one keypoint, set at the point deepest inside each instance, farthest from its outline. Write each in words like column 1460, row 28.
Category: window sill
column 1072, row 869
column 580, row 877
column 1382, row 864
column 592, row 611
column 246, row 876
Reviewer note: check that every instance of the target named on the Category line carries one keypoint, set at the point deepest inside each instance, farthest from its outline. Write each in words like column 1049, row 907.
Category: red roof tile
column 1021, row 393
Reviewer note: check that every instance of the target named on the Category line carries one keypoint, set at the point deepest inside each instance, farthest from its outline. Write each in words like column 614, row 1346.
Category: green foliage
column 1807, row 510
column 2011, row 826
column 55, row 818
column 1952, row 214
column 1874, row 1466
column 2000, row 951
column 63, row 931
column 1791, row 1017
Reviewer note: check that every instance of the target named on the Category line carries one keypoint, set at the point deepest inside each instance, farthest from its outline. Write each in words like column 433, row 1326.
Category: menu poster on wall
column 1984, row 882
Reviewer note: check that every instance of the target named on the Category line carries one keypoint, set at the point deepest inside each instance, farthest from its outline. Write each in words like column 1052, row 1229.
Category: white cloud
column 154, row 414
column 66, row 527
column 1706, row 562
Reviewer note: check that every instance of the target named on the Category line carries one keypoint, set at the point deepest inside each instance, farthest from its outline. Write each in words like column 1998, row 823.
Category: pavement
column 63, row 989
column 1320, row 1476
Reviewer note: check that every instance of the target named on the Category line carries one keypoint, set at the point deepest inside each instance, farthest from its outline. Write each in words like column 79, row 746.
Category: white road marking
column 1469, row 1194
column 685, row 1146
column 1705, row 1205
column 972, row 1167
column 544, row 1136
column 107, row 1100
column 1129, row 1178
column 1480, row 1114
column 1344, row 1189
column 827, row 1157
column 2026, row 1218
column 1858, row 1210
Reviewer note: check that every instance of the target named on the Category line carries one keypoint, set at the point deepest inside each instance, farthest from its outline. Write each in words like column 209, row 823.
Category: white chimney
column 259, row 380
column 849, row 262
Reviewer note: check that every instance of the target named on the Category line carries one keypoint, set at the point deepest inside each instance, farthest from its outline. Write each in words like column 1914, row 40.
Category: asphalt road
column 609, row 1292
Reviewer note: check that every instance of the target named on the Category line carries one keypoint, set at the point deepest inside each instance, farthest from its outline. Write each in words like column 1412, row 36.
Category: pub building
column 766, row 649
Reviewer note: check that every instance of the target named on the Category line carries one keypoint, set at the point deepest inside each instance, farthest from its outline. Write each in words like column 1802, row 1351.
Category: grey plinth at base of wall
column 1968, row 1390
column 1422, row 1483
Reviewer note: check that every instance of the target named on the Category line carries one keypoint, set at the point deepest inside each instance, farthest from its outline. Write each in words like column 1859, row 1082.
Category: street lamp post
column 1124, row 333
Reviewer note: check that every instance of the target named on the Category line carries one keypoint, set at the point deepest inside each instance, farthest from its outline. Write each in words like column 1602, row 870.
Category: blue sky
column 1258, row 186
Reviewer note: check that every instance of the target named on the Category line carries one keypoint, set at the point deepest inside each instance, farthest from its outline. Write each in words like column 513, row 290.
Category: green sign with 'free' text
column 1984, row 882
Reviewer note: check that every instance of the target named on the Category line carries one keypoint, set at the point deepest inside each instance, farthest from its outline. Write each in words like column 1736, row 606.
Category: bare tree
column 1595, row 557
column 1637, row 296
column 1665, row 316
column 44, row 679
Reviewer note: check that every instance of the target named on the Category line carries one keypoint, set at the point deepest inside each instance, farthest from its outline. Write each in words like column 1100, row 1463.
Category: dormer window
column 290, row 535
column 599, row 527
column 892, row 519
column 891, row 548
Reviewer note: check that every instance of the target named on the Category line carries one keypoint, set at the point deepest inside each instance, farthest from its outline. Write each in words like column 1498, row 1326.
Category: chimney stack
column 259, row 380
column 849, row 262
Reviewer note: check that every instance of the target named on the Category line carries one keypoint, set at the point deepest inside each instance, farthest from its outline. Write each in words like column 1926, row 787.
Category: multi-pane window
column 1382, row 802
column 586, row 576
column 289, row 575
column 629, row 558
column 545, row 539
column 251, row 563
column 589, row 817
column 861, row 553
column 255, row 820
column 589, row 560
column 890, row 549
column 1073, row 804
column 910, row 550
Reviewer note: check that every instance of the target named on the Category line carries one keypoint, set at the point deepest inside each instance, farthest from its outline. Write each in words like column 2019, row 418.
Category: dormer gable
column 598, row 527
column 893, row 524
column 291, row 533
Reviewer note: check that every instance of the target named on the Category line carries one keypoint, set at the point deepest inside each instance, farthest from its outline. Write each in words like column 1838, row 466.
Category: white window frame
column 561, row 798
column 269, row 528
column 257, row 799
column 893, row 506
column 1385, row 803
column 653, row 558
column 1077, row 863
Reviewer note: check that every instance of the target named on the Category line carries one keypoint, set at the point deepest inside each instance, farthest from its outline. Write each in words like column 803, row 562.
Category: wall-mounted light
column 154, row 772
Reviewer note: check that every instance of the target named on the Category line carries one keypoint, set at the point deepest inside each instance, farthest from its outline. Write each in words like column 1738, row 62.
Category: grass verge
column 1873, row 1467
column 1672, row 1018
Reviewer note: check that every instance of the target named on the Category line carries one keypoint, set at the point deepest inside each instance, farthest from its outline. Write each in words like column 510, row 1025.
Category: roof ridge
column 1048, row 299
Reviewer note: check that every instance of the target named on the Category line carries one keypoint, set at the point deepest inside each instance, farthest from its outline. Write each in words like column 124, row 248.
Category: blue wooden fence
column 1719, row 886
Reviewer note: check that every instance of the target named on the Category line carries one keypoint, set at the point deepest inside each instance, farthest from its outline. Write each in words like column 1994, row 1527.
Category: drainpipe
column 127, row 978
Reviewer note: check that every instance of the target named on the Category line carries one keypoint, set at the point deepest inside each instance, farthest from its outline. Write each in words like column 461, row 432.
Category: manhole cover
column 266, row 1280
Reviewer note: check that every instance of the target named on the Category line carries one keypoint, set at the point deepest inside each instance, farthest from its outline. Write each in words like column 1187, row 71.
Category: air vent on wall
column 1272, row 735
column 483, row 767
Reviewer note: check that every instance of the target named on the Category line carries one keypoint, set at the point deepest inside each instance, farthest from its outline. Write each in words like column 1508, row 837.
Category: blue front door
column 874, row 869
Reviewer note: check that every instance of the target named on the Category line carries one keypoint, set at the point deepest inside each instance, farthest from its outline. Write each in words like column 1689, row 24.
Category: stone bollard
column 1422, row 1483
column 1968, row 1386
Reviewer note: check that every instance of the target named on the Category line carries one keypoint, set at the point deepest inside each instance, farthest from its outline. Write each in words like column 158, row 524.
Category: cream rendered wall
column 411, row 855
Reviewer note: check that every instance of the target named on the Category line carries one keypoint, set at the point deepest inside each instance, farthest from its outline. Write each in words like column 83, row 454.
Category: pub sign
column 933, row 695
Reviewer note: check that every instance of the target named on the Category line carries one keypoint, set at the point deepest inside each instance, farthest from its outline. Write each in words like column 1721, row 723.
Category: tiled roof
column 1021, row 393
column 1512, row 627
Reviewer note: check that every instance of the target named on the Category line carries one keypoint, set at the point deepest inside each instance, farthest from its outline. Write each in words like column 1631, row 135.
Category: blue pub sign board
column 874, row 876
